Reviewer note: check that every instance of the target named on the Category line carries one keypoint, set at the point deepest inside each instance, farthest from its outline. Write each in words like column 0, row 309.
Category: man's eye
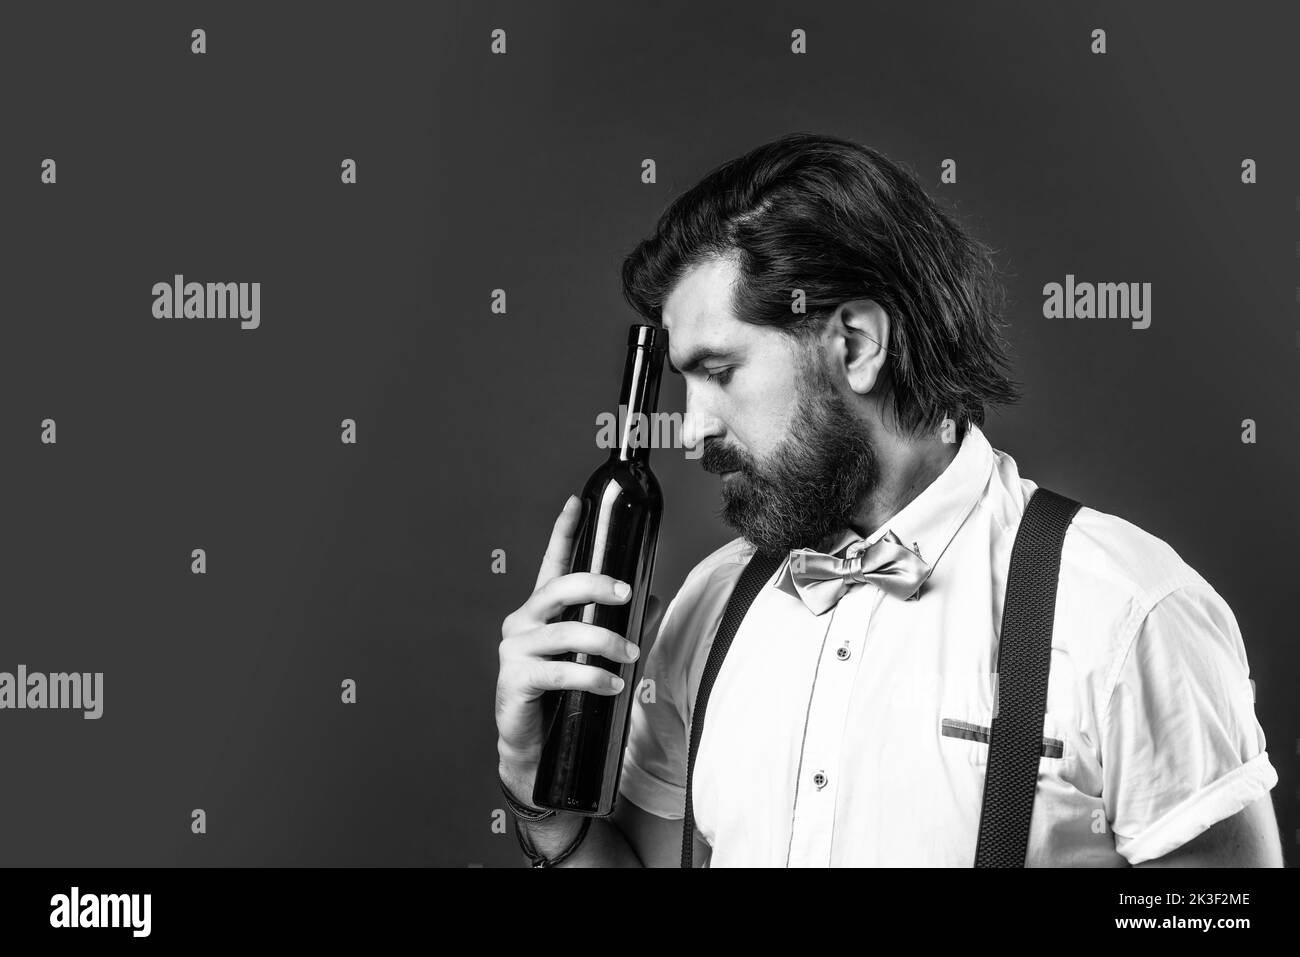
column 722, row 377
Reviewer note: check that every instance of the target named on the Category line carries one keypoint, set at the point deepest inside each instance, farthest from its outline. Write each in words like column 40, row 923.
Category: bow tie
column 821, row 580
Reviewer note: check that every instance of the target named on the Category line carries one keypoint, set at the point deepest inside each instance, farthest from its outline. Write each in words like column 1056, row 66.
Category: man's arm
column 1249, row 838
column 1181, row 744
column 630, row 837
column 656, row 840
column 604, row 845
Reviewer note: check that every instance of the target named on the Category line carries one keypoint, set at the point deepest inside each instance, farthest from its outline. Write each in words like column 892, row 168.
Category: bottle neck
column 638, row 400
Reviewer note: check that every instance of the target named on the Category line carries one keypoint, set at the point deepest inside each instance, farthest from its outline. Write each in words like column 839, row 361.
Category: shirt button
column 842, row 652
column 819, row 779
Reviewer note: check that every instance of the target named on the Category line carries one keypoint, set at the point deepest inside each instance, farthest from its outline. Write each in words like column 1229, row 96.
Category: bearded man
column 840, row 341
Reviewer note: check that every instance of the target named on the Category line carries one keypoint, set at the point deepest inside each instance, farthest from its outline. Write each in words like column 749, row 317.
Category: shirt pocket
column 965, row 721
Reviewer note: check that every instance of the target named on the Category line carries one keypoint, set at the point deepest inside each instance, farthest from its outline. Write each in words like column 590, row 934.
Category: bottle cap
column 647, row 336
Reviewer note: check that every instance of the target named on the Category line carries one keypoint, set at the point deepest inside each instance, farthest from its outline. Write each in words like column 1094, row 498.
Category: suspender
column 1023, row 662
column 761, row 567
column 1023, row 659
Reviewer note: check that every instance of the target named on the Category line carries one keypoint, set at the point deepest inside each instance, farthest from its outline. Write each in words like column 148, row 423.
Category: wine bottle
column 618, row 531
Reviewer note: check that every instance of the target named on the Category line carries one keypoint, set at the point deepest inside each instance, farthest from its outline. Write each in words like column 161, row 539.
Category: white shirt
column 824, row 741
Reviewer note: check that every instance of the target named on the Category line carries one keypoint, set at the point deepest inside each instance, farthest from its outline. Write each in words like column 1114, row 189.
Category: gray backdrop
column 372, row 561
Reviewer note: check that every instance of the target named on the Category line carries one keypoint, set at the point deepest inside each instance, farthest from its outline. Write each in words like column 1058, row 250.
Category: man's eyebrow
column 698, row 356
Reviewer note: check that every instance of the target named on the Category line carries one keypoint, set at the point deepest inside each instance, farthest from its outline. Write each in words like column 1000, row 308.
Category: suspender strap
column 760, row 568
column 1023, row 660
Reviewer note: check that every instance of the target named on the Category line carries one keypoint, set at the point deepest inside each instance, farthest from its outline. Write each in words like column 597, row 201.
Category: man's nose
column 699, row 424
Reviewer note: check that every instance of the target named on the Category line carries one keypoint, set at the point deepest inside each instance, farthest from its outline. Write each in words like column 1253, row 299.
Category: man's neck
column 907, row 467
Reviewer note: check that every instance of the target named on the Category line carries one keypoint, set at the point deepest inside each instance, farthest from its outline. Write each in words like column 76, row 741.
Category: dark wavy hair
column 841, row 221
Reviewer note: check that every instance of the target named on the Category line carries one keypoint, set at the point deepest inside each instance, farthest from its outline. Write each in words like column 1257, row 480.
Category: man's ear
column 862, row 331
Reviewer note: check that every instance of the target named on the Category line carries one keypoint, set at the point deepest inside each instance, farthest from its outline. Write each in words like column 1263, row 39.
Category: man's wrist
column 552, row 836
column 542, row 832
column 516, row 786
column 521, row 810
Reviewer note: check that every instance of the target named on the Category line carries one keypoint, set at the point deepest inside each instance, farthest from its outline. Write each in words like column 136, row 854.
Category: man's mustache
column 718, row 459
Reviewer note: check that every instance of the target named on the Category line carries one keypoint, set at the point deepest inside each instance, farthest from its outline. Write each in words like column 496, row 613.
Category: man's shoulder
column 1105, row 559
column 700, row 600
column 726, row 561
column 1115, row 579
column 693, row 615
column 1109, row 554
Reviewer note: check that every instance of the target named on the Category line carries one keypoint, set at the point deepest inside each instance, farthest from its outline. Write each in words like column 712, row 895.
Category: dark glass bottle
column 617, row 533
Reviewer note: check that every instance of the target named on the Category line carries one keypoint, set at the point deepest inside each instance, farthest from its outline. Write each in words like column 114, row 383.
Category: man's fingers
column 575, row 588
column 570, row 676
column 556, row 560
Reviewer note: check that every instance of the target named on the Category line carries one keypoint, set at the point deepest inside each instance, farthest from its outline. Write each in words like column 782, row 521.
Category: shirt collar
column 928, row 522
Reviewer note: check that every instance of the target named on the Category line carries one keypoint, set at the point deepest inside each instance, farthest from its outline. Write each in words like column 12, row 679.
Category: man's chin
column 764, row 540
column 760, row 538
column 743, row 512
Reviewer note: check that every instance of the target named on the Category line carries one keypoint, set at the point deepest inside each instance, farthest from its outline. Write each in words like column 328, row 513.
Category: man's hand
column 530, row 636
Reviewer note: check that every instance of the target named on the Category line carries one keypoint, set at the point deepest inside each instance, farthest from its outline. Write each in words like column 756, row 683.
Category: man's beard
column 811, row 485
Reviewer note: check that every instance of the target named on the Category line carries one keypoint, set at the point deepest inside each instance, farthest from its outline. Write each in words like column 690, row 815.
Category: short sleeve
column 1181, row 747
column 653, row 776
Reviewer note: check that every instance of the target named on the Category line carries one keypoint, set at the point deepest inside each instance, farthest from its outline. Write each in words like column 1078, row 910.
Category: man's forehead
column 698, row 316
